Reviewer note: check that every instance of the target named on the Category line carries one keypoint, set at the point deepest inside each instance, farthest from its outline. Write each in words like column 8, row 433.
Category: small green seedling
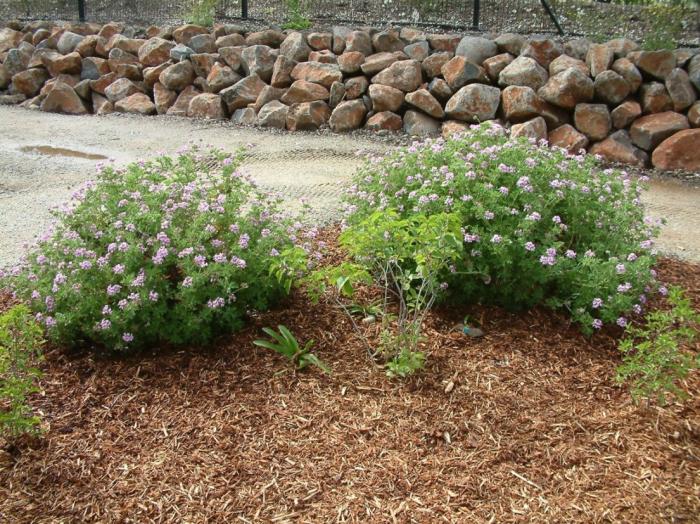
column 287, row 345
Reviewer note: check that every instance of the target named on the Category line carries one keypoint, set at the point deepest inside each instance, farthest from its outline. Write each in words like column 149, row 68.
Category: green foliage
column 667, row 26
column 297, row 20
column 174, row 250
column 656, row 354
column 202, row 12
column 20, row 351
column 537, row 226
column 287, row 345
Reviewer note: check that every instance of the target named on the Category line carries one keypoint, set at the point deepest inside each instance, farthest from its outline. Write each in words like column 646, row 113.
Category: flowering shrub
column 538, row 225
column 173, row 250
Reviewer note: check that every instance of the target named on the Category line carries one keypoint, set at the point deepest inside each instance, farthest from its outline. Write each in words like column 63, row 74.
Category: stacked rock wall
column 615, row 100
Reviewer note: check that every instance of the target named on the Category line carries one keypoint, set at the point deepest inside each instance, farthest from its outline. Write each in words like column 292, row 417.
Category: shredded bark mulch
column 525, row 424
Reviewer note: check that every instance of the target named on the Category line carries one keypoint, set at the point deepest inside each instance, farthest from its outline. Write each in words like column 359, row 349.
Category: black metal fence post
column 81, row 10
column 244, row 9
column 476, row 14
column 553, row 16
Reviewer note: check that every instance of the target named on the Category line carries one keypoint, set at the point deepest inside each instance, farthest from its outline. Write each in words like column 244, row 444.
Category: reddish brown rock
column 459, row 72
column 259, row 60
column 184, row 33
column 532, row 129
column 202, row 44
column 350, row 62
column 273, row 114
column 567, row 137
column 385, row 120
column 303, row 91
column 494, row 65
column 474, row 103
column 520, row 103
column 282, row 72
column 453, row 127
column 432, row 66
column 155, row 51
column 627, row 70
column 626, row 113
column 523, row 71
column 268, row 94
column 649, row 131
column 182, row 104
column 564, row 62
column 694, row 115
column 510, row 43
column 242, row 93
column 387, row 41
column 610, row 87
column 88, row 46
column 593, row 120
column 320, row 41
column 56, row 63
column 29, row 82
column 622, row 46
column 617, row 148
column 543, row 50
column 177, row 76
column 163, row 98
column 324, row 57
column 324, row 74
column 599, row 58
column 476, row 49
column 102, row 83
column 440, row 42
column 423, row 100
column 440, row 90
column 234, row 39
column 567, row 89
column 385, row 98
column 680, row 90
column 359, row 41
column 100, row 105
column 418, row 124
column 356, row 87
column 337, row 94
column 63, row 99
column 679, row 151
column 417, row 51
column 232, row 57
column 377, row 62
column 208, row 106
column 654, row 98
column 308, row 115
column 151, row 75
column 9, row 38
column 268, row 37
column 340, row 33
column 109, row 30
column 130, row 45
column 658, row 64
column 347, row 116
column 405, row 75
column 220, row 77
column 119, row 89
column 137, row 103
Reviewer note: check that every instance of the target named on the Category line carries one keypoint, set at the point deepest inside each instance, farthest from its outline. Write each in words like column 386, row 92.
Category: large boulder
column 377, row 62
column 568, row 88
column 510, row 43
column 308, row 115
column 220, row 77
column 432, row 66
column 384, row 120
column 474, row 103
column 303, row 91
column 385, row 98
column 268, row 94
column 121, row 88
column 68, row 42
column 347, row 116
column 542, row 49
column 184, row 33
column 244, row 116
column 679, row 151
column 419, row 124
column 29, row 82
column 520, row 103
column 387, row 41
column 350, row 62
column 138, row 103
column 627, row 70
column 295, row 47
column 405, row 75
column 649, row 131
column 57, row 64
column 694, row 115
column 657, row 64
column 460, row 71
column 523, row 71
column 242, row 93
column 202, row 44
column 155, row 51
column 626, row 113
column 494, row 65
column 324, row 74
column 680, row 90
column 268, row 37
column 63, row 99
column 320, row 41
column 593, row 120
column 654, row 98
column 599, row 58
column 163, row 98
column 273, row 114
column 444, row 42
column 418, row 51
column 177, row 76
column 535, row 129
column 282, row 72
column 355, row 87
column 476, row 49
column 564, row 62
column 610, row 87
column 208, row 106
column 423, row 100
column 567, row 137
column 618, row 148
column 359, row 41
column 259, row 60
column 694, row 71
column 182, row 103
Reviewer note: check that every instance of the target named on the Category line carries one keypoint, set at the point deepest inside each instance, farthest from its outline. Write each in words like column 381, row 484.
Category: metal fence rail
column 587, row 17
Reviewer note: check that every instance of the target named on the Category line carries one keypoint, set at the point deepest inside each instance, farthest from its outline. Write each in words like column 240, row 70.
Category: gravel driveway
column 34, row 177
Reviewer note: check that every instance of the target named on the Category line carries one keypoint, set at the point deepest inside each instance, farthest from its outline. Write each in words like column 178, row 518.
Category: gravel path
column 34, row 177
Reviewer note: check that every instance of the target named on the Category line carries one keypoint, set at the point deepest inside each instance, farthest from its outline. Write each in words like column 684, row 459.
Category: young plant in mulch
column 20, row 352
column 657, row 353
column 538, row 226
column 175, row 250
column 287, row 345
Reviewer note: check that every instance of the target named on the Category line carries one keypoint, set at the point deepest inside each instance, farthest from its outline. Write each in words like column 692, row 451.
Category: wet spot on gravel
column 60, row 151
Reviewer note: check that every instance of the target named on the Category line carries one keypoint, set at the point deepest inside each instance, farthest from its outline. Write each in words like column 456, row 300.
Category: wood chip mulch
column 525, row 424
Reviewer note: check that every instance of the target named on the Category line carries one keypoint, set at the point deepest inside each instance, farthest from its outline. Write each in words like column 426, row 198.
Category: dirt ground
column 525, row 424
column 43, row 159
